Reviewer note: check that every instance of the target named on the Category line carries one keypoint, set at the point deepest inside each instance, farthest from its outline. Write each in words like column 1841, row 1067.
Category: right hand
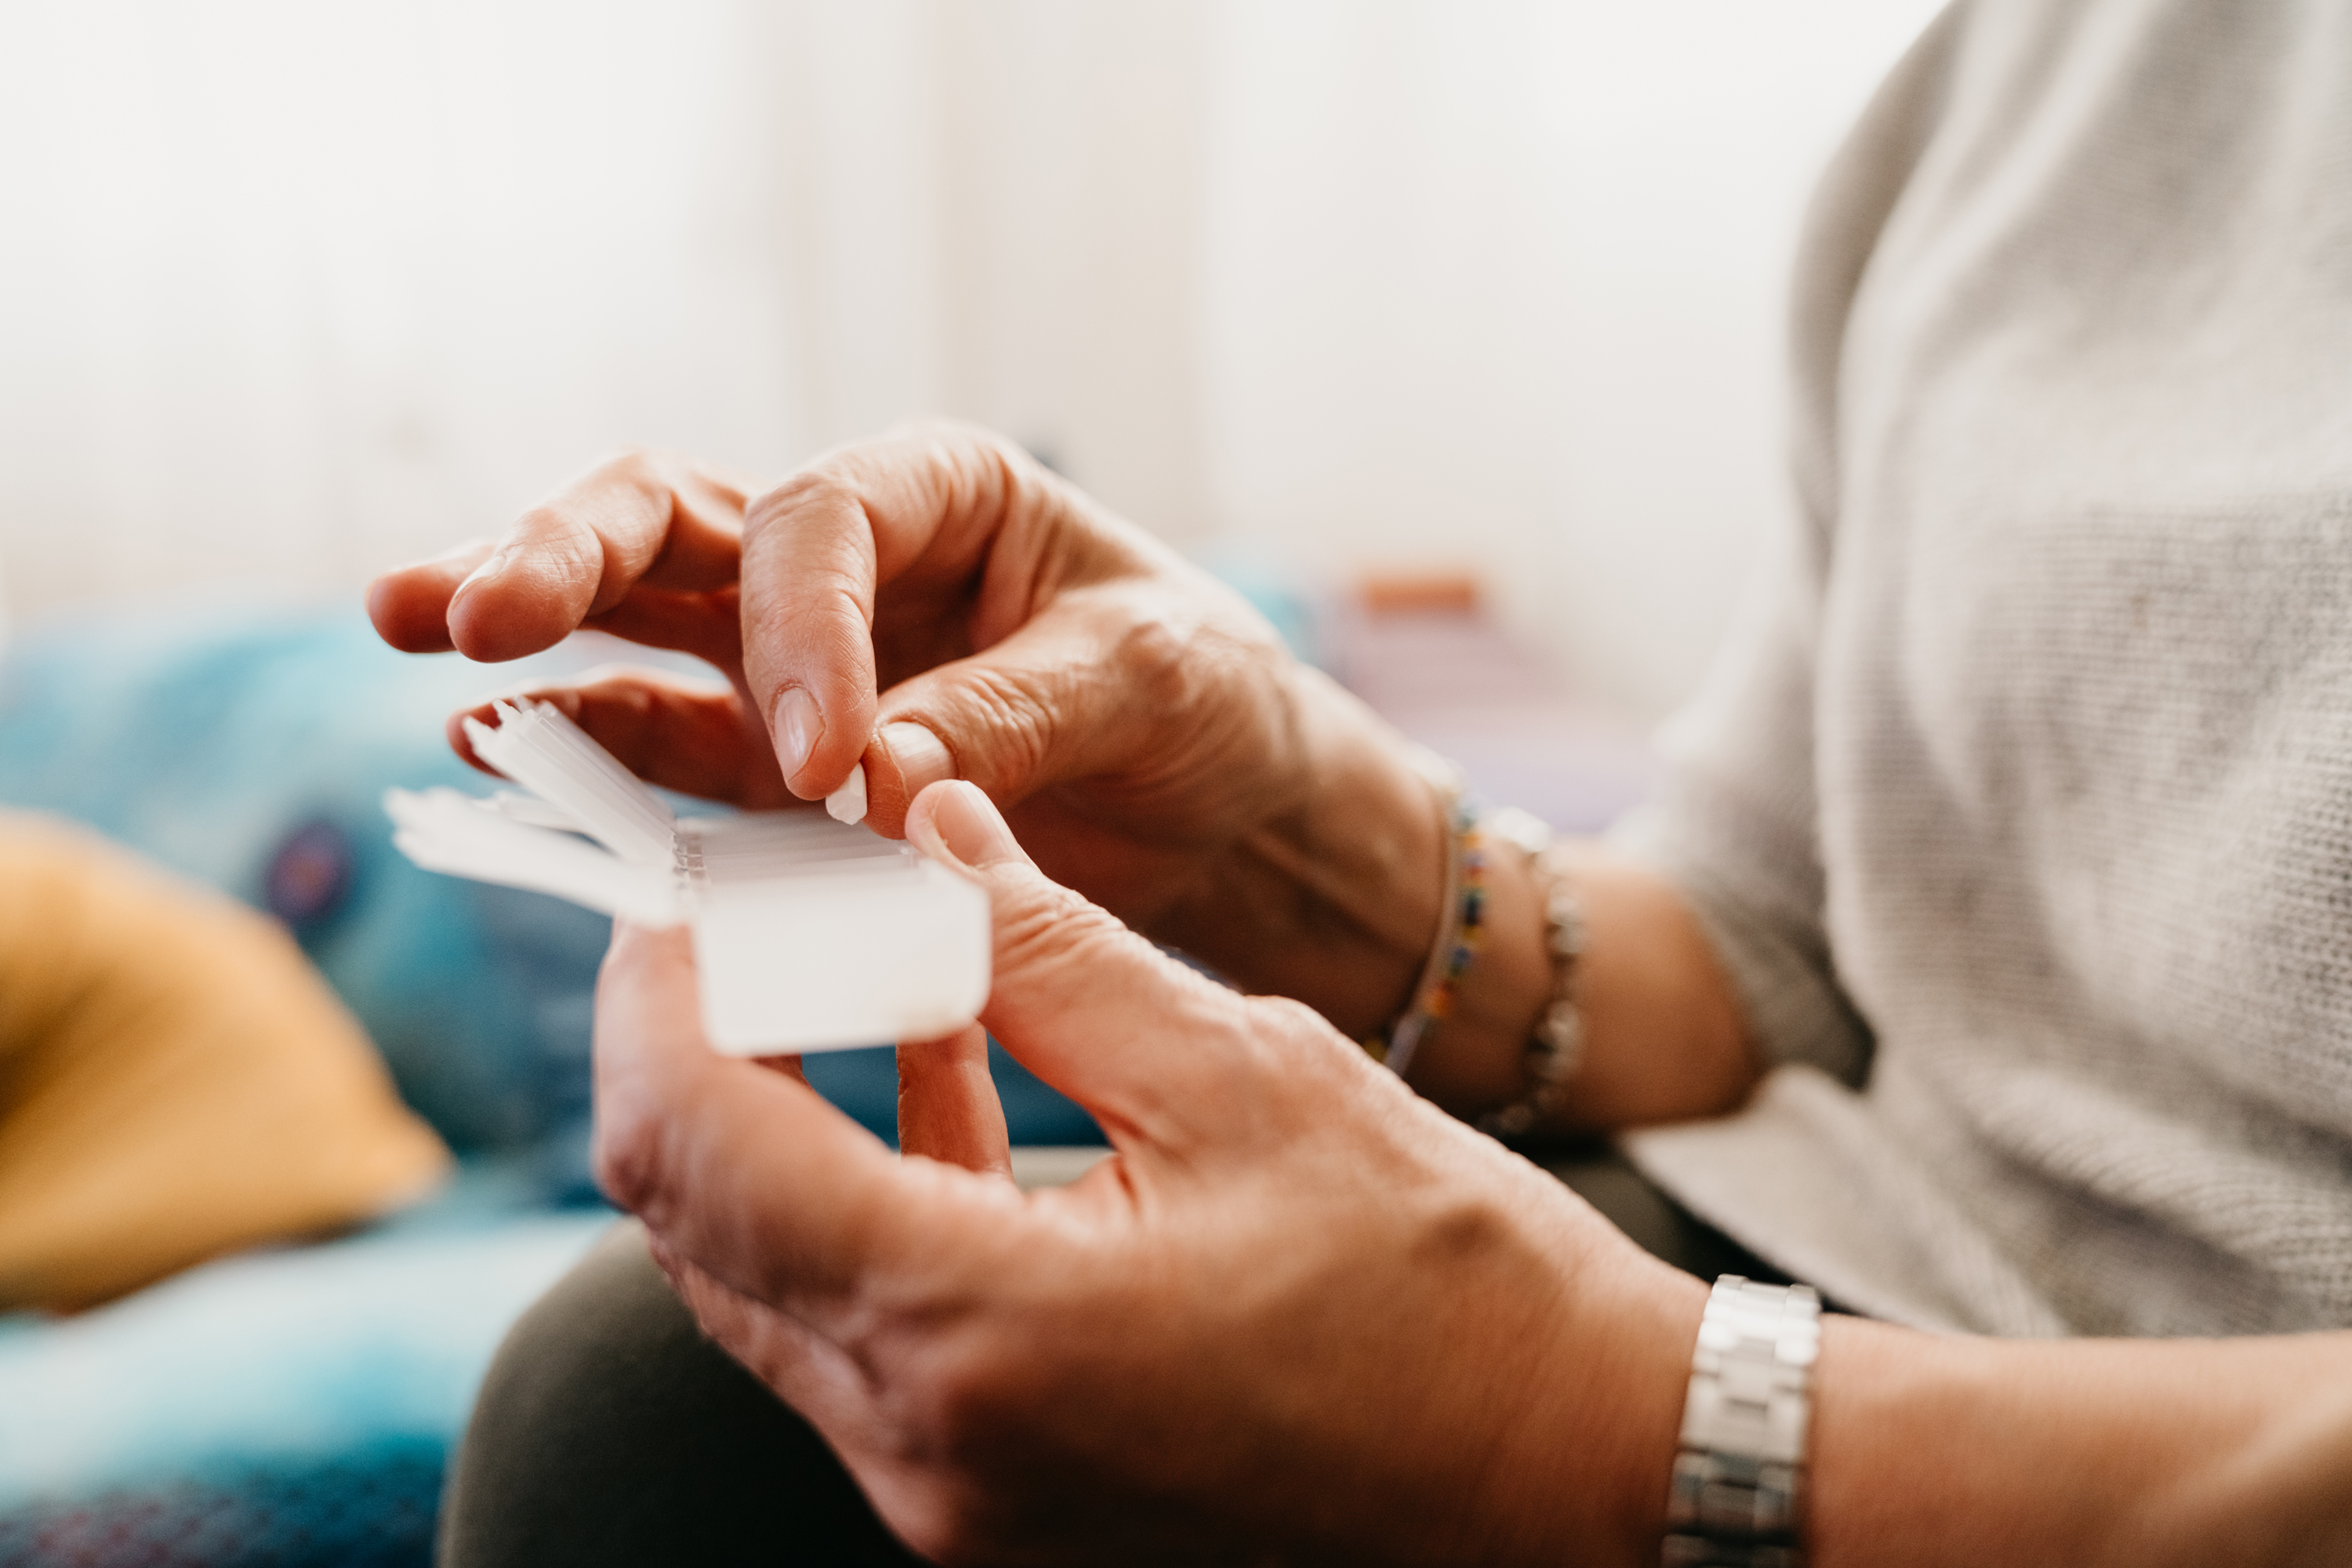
column 1296, row 1315
column 1132, row 715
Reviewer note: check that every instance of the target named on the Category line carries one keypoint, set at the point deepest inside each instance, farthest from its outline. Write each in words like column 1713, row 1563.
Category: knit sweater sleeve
column 1737, row 825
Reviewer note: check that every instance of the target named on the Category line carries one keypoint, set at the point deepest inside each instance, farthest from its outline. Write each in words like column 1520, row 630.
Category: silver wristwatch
column 1738, row 1486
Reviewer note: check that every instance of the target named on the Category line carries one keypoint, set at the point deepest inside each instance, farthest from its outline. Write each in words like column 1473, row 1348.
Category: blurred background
column 295, row 291
column 1448, row 330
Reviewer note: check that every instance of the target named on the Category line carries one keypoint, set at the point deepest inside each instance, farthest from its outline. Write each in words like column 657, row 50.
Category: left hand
column 1297, row 1314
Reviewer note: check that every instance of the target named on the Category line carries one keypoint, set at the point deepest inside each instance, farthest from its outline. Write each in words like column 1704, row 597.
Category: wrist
column 1661, row 1038
column 1587, row 1471
column 1475, row 1057
column 2079, row 1452
column 1738, row 1492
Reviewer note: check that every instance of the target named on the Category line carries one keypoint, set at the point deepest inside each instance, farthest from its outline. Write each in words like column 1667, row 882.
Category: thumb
column 1092, row 1008
column 1096, row 679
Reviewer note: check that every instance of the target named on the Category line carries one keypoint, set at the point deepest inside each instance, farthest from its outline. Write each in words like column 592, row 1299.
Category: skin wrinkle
column 810, row 504
column 795, row 1322
column 1012, row 708
column 967, row 504
column 1016, row 720
column 780, row 623
column 1179, row 669
column 858, row 586
column 1265, row 869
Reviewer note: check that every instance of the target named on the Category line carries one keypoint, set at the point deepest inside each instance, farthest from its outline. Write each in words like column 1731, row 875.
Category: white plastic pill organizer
column 809, row 935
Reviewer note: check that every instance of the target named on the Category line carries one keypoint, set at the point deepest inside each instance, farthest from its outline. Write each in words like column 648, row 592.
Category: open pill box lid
column 809, row 935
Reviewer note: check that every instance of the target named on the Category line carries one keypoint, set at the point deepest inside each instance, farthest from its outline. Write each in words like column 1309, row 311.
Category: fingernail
column 847, row 804
column 796, row 728
column 492, row 565
column 971, row 827
column 921, row 758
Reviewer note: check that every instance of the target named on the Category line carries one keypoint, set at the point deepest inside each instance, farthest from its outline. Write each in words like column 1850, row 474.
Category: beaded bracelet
column 1464, row 900
column 1556, row 1046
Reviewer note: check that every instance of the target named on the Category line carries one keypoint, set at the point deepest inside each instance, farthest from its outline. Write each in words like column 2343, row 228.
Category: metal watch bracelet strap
column 1738, row 1486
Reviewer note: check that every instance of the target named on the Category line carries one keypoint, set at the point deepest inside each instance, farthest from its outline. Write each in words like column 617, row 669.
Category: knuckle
column 943, row 1523
column 627, row 1158
column 1163, row 659
column 819, row 483
column 934, row 430
column 963, row 1397
column 623, row 1172
column 1291, row 1041
column 949, row 446
column 969, row 1405
column 1288, row 1018
column 1176, row 655
column 640, row 467
column 809, row 507
column 1008, row 719
column 1044, row 927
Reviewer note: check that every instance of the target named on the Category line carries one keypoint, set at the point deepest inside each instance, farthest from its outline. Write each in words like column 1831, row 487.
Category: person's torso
column 2085, row 673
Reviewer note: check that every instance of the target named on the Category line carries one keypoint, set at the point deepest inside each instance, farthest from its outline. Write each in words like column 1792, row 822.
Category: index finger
column 644, row 517
column 817, row 547
column 748, row 1171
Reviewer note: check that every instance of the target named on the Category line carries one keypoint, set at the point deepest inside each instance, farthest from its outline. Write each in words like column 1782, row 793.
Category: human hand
column 932, row 604
column 1296, row 1315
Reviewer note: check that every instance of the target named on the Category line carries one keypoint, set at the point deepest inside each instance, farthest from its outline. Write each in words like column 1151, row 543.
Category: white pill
column 847, row 804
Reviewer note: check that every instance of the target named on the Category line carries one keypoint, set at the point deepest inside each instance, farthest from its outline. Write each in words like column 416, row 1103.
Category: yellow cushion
column 175, row 1080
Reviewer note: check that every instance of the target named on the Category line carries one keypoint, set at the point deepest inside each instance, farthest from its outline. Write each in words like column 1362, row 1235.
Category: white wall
column 1505, row 283
column 292, row 291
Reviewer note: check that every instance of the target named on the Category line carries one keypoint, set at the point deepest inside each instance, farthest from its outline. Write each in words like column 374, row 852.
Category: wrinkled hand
column 1127, row 708
column 1297, row 1314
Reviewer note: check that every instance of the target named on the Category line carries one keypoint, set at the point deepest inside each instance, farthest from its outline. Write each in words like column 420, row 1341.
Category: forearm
column 1929, row 1449
column 1335, row 901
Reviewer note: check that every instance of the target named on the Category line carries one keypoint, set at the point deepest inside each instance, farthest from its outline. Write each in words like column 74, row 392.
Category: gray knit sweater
column 2020, row 808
